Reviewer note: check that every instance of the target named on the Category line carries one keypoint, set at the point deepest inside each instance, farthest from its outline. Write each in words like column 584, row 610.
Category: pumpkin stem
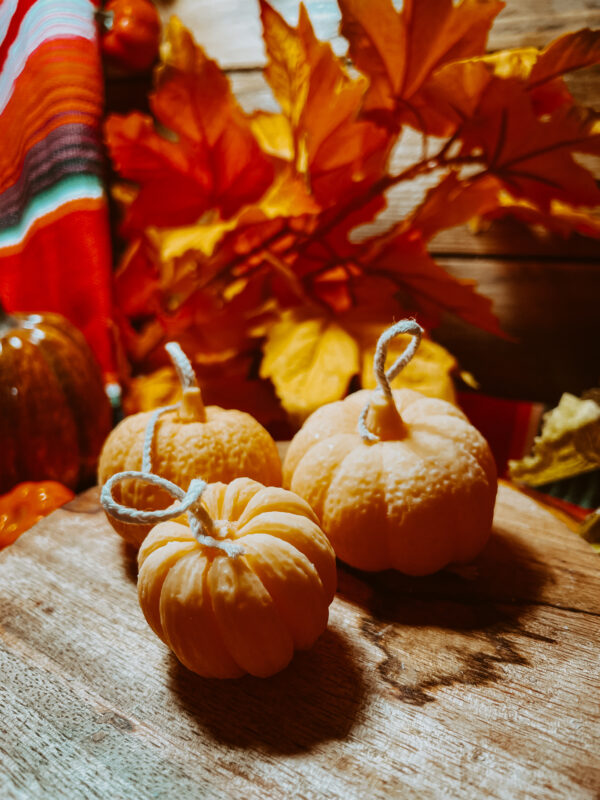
column 379, row 418
column 192, row 406
column 383, row 419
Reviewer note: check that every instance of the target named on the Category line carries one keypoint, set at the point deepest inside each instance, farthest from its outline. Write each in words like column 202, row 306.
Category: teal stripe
column 73, row 187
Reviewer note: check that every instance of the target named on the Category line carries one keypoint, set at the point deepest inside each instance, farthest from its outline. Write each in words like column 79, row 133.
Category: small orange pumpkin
column 184, row 441
column 238, row 591
column 54, row 412
column 28, row 503
column 398, row 480
column 130, row 33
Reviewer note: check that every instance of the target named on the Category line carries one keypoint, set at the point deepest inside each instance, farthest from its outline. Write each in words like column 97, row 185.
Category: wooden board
column 482, row 684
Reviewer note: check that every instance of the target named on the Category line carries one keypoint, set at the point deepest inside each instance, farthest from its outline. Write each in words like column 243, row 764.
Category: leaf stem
column 376, row 189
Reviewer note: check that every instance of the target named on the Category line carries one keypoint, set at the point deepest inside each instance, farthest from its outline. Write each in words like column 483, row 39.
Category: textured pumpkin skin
column 416, row 501
column 54, row 412
column 228, row 445
column 223, row 616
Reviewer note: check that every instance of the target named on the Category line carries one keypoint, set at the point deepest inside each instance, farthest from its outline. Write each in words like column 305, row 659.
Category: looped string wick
column 185, row 371
column 384, row 378
column 187, row 378
column 189, row 502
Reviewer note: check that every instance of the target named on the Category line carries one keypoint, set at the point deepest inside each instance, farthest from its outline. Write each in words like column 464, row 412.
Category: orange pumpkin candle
column 240, row 587
column 183, row 441
column 54, row 412
column 398, row 480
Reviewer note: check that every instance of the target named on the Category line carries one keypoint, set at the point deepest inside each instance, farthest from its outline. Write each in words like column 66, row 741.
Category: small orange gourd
column 397, row 480
column 180, row 442
column 28, row 503
column 130, row 33
column 237, row 590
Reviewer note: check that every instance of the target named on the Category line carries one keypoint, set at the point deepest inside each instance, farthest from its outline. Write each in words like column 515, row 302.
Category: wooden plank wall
column 546, row 291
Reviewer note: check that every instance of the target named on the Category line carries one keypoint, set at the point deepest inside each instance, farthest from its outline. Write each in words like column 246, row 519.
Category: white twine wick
column 189, row 502
column 199, row 519
column 187, row 378
column 185, row 371
column 384, row 378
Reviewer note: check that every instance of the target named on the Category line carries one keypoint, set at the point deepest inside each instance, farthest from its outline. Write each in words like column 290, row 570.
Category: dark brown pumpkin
column 54, row 412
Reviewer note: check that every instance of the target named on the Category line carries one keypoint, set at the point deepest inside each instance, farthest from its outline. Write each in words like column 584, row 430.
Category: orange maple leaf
column 210, row 160
column 532, row 158
column 401, row 257
column 400, row 50
column 454, row 92
column 320, row 103
column 236, row 220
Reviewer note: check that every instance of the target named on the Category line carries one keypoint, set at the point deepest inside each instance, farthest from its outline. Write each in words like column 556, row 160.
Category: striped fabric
column 54, row 239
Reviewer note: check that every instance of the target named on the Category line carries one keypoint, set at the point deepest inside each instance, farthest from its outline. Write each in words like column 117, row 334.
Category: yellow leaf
column 568, row 445
column 273, row 133
column 174, row 242
column 310, row 361
column 147, row 392
column 516, row 63
column 288, row 196
column 429, row 371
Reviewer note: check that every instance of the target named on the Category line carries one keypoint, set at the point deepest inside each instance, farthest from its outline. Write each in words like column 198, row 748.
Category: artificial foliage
column 240, row 223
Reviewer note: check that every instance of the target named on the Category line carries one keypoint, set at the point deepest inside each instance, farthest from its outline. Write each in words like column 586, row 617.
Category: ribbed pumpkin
column 225, row 616
column 407, row 483
column 54, row 412
column 189, row 440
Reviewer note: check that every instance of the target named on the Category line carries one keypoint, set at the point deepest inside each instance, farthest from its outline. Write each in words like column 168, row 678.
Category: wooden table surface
column 483, row 684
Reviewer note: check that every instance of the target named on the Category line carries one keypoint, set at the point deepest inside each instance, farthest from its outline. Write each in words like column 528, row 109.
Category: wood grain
column 481, row 683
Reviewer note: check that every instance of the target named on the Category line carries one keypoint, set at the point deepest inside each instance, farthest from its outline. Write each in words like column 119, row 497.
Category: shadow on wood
column 450, row 629
column 129, row 561
column 313, row 700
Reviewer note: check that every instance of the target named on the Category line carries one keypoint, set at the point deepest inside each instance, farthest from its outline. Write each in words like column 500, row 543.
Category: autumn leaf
column 453, row 93
column 568, row 445
column 402, row 257
column 245, row 230
column 333, row 149
column 532, row 158
column 560, row 218
column 400, row 50
column 310, row 361
column 209, row 160
column 454, row 202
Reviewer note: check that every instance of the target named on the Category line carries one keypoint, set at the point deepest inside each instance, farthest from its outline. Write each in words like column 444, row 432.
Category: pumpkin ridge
column 208, row 599
column 55, row 438
column 278, row 523
column 172, row 623
column 345, row 472
column 73, row 376
column 309, row 570
column 272, row 498
column 287, row 543
column 460, row 446
column 239, row 636
column 164, row 563
column 330, row 476
column 237, row 496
